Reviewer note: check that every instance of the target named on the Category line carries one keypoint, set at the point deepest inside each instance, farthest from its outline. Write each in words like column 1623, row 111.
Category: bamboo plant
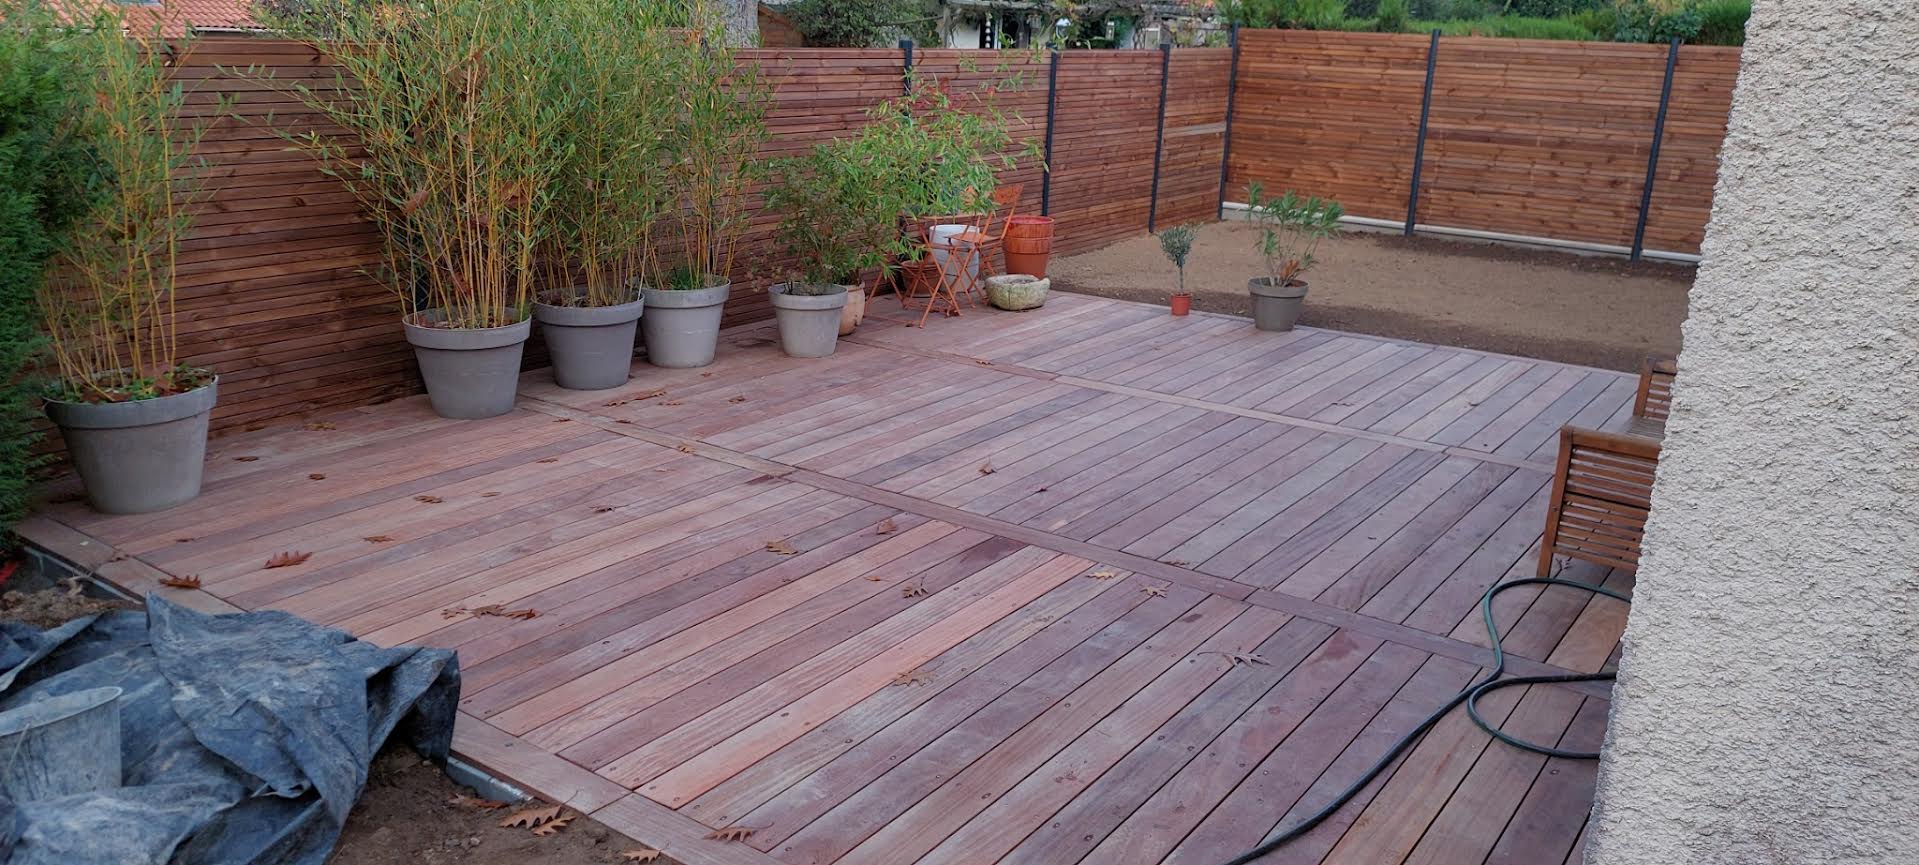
column 110, row 302
column 457, row 113
column 1290, row 229
column 721, row 113
column 830, row 221
column 612, row 191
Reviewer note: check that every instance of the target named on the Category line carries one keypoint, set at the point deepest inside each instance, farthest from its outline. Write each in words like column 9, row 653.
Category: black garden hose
column 1470, row 696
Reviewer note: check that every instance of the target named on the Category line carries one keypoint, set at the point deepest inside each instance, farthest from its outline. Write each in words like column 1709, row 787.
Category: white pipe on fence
column 1499, row 237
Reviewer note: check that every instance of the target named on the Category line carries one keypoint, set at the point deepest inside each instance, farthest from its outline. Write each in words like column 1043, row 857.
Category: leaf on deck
column 986, row 468
column 982, row 361
column 916, row 590
column 1155, row 591
column 287, row 559
column 378, row 539
column 912, row 677
column 731, row 833
column 191, row 581
column 782, row 548
column 548, row 460
column 685, row 448
column 431, row 500
column 1104, row 574
column 1242, row 658
column 737, row 399
column 886, row 527
column 316, row 476
column 246, row 459
column 319, row 426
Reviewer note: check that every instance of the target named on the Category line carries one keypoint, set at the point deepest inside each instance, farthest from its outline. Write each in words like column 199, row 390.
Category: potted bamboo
column 1177, row 243
column 457, row 141
column 833, row 227
column 720, row 124
column 133, row 413
column 610, row 193
column 1290, row 229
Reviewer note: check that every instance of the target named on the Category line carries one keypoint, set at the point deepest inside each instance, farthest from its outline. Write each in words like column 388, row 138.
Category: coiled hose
column 1470, row 696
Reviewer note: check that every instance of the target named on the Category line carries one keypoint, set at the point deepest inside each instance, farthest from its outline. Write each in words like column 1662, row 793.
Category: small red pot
column 1182, row 304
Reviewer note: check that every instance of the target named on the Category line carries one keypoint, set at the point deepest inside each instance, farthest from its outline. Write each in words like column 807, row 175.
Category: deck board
column 967, row 594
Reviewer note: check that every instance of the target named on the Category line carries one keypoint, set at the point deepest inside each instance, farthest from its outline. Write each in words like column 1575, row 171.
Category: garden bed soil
column 1601, row 311
column 411, row 813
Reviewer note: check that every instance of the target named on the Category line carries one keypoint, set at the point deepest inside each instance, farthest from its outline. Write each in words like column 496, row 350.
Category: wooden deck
column 964, row 595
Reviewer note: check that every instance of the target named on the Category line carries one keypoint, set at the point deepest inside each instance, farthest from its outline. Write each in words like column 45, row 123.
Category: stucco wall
column 1767, row 709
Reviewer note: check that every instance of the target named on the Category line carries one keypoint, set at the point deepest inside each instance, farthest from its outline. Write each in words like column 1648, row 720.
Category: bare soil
column 1598, row 311
column 411, row 813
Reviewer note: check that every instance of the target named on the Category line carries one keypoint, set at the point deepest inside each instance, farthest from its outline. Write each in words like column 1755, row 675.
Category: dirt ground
column 411, row 813
column 1592, row 310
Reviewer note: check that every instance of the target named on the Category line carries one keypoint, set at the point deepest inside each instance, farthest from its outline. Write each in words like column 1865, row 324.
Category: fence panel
column 1689, row 155
column 1107, row 113
column 1195, row 134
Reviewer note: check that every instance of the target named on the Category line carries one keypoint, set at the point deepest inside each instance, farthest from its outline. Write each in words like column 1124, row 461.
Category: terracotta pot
column 854, row 311
column 1182, row 304
column 1028, row 244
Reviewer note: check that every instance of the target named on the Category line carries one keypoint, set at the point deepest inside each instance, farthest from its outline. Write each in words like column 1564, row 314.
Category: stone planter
column 470, row 373
column 1276, row 307
column 854, row 311
column 1017, row 291
column 591, row 346
column 809, row 324
column 140, row 456
column 682, row 326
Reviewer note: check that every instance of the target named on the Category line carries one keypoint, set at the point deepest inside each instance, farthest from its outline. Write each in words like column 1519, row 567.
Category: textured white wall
column 1767, row 709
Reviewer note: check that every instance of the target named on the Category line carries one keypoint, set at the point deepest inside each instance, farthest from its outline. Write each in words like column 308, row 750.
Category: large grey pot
column 682, row 327
column 470, row 373
column 141, row 456
column 591, row 346
column 61, row 746
column 1276, row 307
column 809, row 324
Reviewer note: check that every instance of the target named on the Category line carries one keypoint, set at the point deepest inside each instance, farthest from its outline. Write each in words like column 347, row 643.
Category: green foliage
column 1392, row 16
column 721, row 114
column 1706, row 22
column 1513, row 28
column 831, row 220
column 862, row 23
column 1290, row 229
column 1293, row 14
column 1177, row 243
column 940, row 151
column 1723, row 22
column 45, row 157
column 1650, row 21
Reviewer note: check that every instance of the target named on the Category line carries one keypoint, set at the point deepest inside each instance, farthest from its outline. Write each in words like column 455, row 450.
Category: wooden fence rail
column 1530, row 138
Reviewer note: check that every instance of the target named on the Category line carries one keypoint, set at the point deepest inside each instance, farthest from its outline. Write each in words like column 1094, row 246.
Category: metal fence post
column 1652, row 156
column 1159, row 134
column 906, row 74
column 1052, row 107
column 1226, row 143
column 1419, row 148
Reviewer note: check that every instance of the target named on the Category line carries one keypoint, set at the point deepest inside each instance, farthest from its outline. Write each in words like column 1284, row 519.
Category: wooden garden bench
column 1602, row 488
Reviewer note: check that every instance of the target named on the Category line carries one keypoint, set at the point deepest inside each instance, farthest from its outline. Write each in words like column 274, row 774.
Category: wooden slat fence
column 1536, row 138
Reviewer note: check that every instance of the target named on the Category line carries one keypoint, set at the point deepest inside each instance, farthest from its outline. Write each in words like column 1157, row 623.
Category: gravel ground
column 1599, row 311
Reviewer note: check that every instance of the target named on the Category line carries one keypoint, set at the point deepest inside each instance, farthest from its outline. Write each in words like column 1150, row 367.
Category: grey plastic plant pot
column 61, row 746
column 470, row 373
column 809, row 324
column 1276, row 307
column 591, row 346
column 141, row 456
column 682, row 327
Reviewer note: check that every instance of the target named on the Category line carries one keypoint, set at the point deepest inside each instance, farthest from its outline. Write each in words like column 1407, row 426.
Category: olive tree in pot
column 720, row 124
column 457, row 114
column 610, row 193
column 834, row 226
column 1290, row 229
column 133, row 414
column 1177, row 243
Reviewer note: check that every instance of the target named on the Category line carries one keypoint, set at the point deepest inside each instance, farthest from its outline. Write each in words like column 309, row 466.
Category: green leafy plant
column 830, row 220
column 458, row 112
column 1295, row 14
column 862, row 23
column 721, row 113
column 1392, row 15
column 1177, row 243
column 109, row 306
column 611, row 191
column 45, row 155
column 1290, row 229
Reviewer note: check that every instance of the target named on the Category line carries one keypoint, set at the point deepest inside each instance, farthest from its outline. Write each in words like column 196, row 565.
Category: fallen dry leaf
column 686, row 448
column 320, row 426
column 731, row 833
column 488, row 495
column 377, row 539
column 186, row 582
column 1155, row 591
column 183, row 540
column 982, row 361
column 461, row 800
column 912, row 677
column 1042, row 489
column 548, row 460
column 1239, row 658
column 246, row 459
column 604, row 509
column 672, row 402
column 316, row 476
column 651, row 394
column 528, row 818
column 553, row 827
column 886, row 527
column 915, row 590
column 287, row 559
column 431, row 500
column 875, row 578
column 562, row 420
column 622, row 420
column 986, row 468
column 1102, row 574
column 496, row 610
column 706, row 375
column 736, row 399
column 781, row 547
column 1177, row 563
column 643, row 854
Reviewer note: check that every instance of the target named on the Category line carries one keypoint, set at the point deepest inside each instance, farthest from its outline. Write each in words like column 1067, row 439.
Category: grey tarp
column 244, row 738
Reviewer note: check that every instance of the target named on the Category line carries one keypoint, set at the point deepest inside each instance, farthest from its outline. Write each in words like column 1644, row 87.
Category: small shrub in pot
column 1177, row 244
column 134, row 415
column 1290, row 229
column 833, row 226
